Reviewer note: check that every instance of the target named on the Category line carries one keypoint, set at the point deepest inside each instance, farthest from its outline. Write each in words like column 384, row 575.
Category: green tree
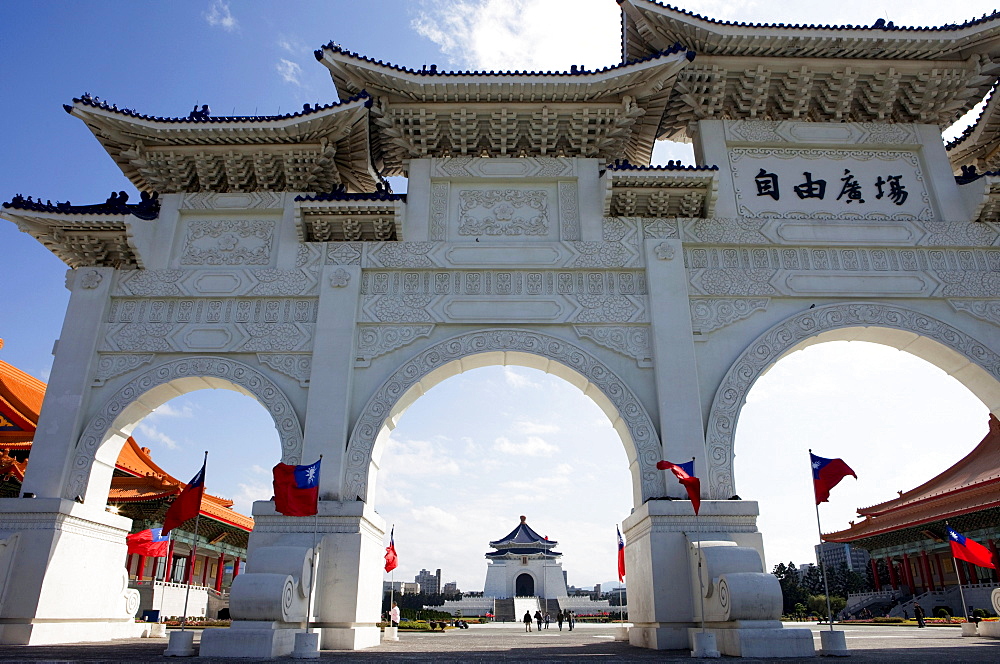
column 792, row 592
column 817, row 605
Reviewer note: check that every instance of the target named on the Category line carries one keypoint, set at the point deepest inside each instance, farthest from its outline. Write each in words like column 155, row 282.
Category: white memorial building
column 266, row 256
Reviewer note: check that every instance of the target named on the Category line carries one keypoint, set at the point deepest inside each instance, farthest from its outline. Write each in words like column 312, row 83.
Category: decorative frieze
column 987, row 310
column 377, row 340
column 709, row 314
column 629, row 340
column 228, row 242
column 112, row 366
column 503, row 212
column 293, row 365
column 250, row 200
column 195, row 283
column 524, row 167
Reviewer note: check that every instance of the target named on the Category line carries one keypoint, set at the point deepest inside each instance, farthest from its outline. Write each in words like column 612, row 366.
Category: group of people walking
column 562, row 616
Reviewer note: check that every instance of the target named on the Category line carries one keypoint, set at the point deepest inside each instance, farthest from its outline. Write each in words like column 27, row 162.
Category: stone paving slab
column 509, row 643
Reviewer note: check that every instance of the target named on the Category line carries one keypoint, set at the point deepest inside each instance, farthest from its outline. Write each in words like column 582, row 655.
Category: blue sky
column 491, row 444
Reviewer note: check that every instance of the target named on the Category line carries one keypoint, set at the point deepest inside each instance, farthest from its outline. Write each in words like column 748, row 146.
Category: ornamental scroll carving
column 987, row 310
column 111, row 366
column 640, row 427
column 377, row 340
column 629, row 340
column 108, row 421
column 503, row 212
column 293, row 365
column 709, row 314
column 773, row 344
column 228, row 242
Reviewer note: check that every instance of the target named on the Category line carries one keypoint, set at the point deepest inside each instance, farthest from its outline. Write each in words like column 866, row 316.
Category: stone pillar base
column 249, row 638
column 69, row 631
column 704, row 646
column 991, row 629
column 353, row 637
column 621, row 633
column 659, row 637
column 391, row 634
column 833, row 644
column 181, row 644
column 970, row 629
column 306, row 646
column 748, row 640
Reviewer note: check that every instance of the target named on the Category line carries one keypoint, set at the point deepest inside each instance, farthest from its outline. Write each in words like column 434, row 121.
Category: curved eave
column 352, row 74
column 647, row 25
column 979, row 143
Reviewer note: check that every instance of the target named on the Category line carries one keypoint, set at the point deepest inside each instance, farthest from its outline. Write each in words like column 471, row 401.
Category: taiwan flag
column 296, row 489
column 391, row 559
column 965, row 549
column 621, row 555
column 827, row 474
column 152, row 543
column 187, row 504
column 690, row 482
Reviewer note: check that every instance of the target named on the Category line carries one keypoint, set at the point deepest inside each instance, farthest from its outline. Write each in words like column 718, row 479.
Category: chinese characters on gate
column 851, row 191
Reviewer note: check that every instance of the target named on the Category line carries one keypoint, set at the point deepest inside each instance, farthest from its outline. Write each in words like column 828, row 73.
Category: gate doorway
column 524, row 586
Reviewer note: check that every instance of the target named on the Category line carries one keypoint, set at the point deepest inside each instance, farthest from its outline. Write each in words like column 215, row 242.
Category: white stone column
column 682, row 431
column 62, row 573
column 67, row 397
column 661, row 598
column 329, row 400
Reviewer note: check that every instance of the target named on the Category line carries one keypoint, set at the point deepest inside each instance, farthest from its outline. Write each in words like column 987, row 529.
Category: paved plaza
column 509, row 643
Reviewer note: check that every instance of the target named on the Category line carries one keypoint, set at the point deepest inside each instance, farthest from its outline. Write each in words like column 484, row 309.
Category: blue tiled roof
column 522, row 552
column 344, row 196
column 433, row 70
column 523, row 534
column 958, row 140
column 308, row 109
column 626, row 165
column 880, row 24
column 148, row 208
column 969, row 175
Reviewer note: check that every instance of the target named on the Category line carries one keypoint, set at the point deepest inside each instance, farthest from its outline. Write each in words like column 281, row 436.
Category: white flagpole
column 701, row 580
column 822, row 564
column 621, row 607
column 166, row 570
column 961, row 591
column 194, row 549
column 312, row 581
column 392, row 578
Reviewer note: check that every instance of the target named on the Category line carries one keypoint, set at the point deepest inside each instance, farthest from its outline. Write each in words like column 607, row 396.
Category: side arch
column 155, row 387
column 507, row 346
column 968, row 360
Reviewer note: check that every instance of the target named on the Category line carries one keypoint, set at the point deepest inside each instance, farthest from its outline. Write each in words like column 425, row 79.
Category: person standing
column 548, row 619
column 527, row 621
column 918, row 613
column 569, row 619
column 394, row 615
column 538, row 619
column 559, row 619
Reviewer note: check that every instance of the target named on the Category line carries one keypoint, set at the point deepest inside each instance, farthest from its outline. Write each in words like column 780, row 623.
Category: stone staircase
column 504, row 610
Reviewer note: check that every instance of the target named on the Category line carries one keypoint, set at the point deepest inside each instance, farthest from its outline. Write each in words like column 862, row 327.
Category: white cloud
column 437, row 519
column 291, row 45
column 526, row 427
column 517, row 379
column 218, row 15
column 533, row 446
column 290, row 71
column 248, row 493
column 406, row 458
column 167, row 410
column 150, row 433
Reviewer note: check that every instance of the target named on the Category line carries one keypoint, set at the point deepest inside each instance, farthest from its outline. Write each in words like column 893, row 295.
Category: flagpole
column 312, row 580
column 701, row 580
column 822, row 563
column 392, row 582
column 194, row 549
column 961, row 591
column 166, row 568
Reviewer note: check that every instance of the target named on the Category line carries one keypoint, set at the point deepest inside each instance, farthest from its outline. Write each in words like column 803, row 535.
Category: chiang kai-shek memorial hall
column 266, row 255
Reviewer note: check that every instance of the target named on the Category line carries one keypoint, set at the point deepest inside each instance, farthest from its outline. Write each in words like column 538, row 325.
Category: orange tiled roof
column 971, row 485
column 11, row 467
column 26, row 392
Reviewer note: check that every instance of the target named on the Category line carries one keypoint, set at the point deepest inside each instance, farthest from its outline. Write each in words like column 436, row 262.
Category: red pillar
column 908, row 573
column 142, row 568
column 925, row 571
column 940, row 567
column 218, row 571
column 236, row 568
column 128, row 562
column 204, row 571
column 190, row 566
column 893, row 579
column 996, row 561
column 960, row 570
column 168, row 569
column 874, row 564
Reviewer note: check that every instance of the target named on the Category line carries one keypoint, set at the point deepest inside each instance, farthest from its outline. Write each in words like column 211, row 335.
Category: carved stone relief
column 987, row 310
column 709, row 314
column 439, row 210
column 503, row 212
column 344, row 253
column 250, row 200
column 761, row 353
column 569, row 211
column 629, row 340
column 525, row 167
column 293, row 365
column 846, row 133
column 377, row 340
column 228, row 242
column 111, row 366
column 379, row 406
column 246, row 283
column 103, row 424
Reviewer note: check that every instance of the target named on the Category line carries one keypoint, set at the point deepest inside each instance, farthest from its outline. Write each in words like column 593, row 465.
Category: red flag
column 827, row 474
column 296, row 489
column 187, row 504
column 148, row 543
column 621, row 555
column 691, row 483
column 391, row 560
column 965, row 549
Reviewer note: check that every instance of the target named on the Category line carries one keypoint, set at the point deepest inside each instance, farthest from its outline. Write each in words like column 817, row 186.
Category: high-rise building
column 430, row 584
column 836, row 553
column 450, row 588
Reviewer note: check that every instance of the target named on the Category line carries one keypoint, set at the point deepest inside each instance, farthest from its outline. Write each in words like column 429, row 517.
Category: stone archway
column 158, row 385
column 629, row 418
column 524, row 585
column 878, row 323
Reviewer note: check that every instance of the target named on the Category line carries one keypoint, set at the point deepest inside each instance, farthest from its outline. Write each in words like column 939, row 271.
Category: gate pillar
column 657, row 563
column 62, row 573
column 269, row 605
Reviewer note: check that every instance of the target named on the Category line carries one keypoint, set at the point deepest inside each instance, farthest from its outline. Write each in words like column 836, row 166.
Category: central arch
column 524, row 585
column 968, row 360
column 504, row 347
